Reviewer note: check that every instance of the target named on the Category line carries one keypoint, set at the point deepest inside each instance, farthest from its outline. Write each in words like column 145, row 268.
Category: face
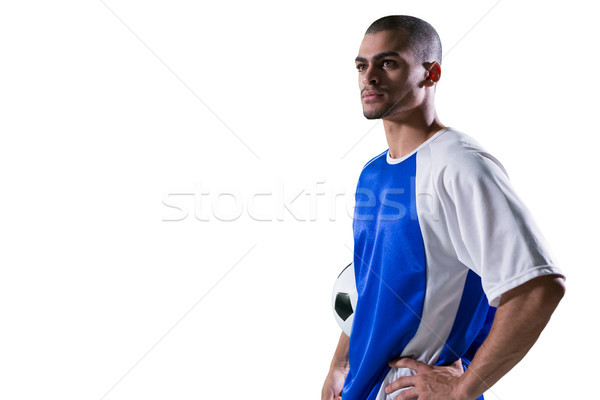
column 389, row 78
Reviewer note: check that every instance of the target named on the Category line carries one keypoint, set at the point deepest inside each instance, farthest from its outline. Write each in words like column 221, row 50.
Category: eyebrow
column 379, row 56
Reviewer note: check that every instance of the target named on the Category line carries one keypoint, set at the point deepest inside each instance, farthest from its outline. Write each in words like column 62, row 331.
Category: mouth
column 369, row 95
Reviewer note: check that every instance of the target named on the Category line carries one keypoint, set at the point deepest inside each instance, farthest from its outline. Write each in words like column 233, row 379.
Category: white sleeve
column 492, row 231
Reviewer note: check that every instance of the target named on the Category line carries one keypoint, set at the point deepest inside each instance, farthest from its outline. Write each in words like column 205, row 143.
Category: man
column 443, row 248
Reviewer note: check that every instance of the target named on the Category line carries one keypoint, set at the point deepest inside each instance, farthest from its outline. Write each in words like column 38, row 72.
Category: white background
column 116, row 116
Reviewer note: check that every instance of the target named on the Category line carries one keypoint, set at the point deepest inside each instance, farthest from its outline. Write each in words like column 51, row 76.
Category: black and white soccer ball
column 344, row 298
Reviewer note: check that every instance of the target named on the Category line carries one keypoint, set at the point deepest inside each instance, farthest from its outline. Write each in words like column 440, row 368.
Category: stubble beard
column 380, row 112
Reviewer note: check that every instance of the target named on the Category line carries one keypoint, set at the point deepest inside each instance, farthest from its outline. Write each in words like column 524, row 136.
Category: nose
column 371, row 77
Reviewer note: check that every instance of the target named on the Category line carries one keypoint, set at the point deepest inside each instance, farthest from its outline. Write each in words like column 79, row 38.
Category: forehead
column 390, row 40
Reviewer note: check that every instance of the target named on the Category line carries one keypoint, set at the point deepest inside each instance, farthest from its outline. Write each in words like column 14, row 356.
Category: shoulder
column 371, row 170
column 459, row 158
column 378, row 157
column 462, row 165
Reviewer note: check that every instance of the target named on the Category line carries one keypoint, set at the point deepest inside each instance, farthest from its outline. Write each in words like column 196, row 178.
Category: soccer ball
column 344, row 298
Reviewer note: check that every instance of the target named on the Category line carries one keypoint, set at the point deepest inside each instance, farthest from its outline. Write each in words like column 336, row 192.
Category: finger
column 408, row 394
column 410, row 363
column 403, row 382
column 458, row 365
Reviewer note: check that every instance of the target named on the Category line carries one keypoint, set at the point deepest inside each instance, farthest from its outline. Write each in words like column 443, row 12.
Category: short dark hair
column 423, row 39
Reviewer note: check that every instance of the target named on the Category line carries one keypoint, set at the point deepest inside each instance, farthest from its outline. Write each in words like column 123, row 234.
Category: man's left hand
column 430, row 382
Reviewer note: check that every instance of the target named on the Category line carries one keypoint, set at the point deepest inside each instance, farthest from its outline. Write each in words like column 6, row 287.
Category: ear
column 433, row 73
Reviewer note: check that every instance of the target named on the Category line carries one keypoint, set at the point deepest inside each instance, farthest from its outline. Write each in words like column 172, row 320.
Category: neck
column 404, row 135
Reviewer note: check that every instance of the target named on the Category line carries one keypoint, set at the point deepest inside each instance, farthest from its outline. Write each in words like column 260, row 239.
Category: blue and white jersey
column 439, row 236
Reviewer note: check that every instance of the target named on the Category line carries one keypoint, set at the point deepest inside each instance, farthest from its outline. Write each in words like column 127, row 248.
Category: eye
column 361, row 67
column 388, row 63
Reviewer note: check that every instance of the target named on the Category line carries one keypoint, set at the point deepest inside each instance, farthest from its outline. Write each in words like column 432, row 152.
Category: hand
column 334, row 383
column 430, row 382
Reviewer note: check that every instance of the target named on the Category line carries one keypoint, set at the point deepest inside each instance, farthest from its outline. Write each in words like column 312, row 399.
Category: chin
column 378, row 114
column 373, row 113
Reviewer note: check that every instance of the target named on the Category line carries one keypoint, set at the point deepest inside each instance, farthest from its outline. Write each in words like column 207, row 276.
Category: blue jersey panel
column 468, row 323
column 390, row 270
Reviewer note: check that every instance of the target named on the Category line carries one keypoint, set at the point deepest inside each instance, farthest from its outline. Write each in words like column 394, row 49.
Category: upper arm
column 494, row 232
column 546, row 289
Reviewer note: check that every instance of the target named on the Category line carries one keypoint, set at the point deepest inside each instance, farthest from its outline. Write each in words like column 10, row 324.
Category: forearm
column 522, row 315
column 334, row 382
column 340, row 357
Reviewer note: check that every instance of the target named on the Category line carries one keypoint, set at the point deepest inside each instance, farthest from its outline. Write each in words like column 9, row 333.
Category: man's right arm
column 334, row 383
